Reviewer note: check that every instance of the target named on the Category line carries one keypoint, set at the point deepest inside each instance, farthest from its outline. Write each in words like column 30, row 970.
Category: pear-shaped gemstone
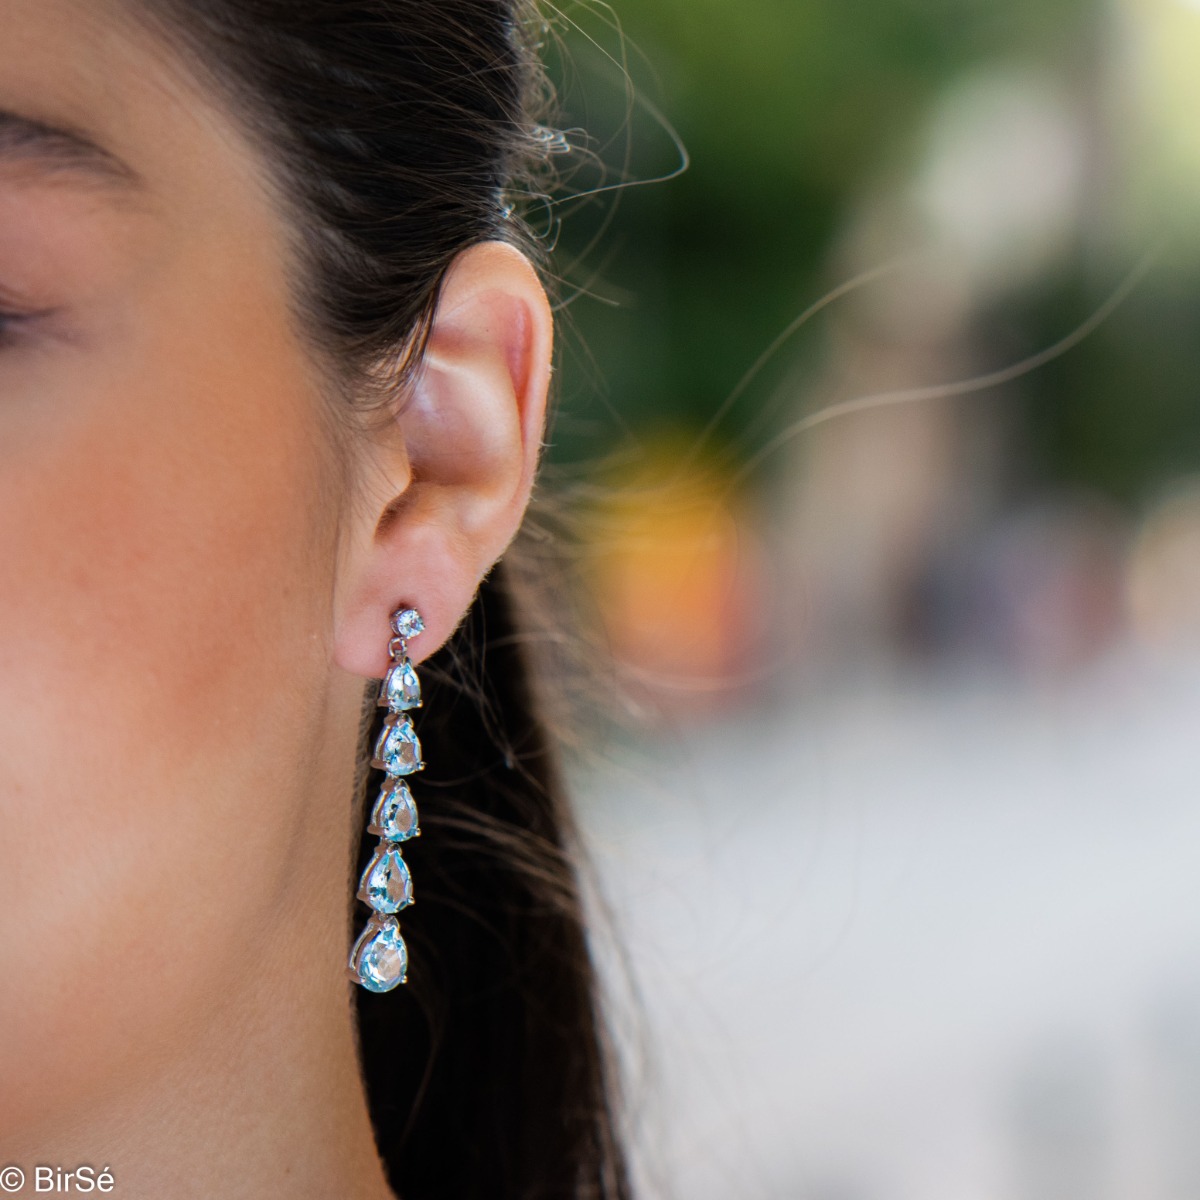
column 394, row 817
column 386, row 884
column 380, row 956
column 401, row 688
column 398, row 751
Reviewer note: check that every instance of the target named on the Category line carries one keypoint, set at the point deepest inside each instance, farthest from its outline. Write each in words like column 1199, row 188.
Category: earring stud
column 379, row 960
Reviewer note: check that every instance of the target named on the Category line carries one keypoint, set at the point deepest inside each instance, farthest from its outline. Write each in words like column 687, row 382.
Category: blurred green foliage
column 789, row 110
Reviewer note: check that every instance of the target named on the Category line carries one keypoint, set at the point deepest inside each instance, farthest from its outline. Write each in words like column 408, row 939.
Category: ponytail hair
column 396, row 133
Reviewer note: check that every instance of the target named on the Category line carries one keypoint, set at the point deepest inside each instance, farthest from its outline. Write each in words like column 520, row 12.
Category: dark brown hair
column 398, row 133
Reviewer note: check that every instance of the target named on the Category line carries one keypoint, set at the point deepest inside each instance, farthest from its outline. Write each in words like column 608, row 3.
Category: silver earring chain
column 379, row 960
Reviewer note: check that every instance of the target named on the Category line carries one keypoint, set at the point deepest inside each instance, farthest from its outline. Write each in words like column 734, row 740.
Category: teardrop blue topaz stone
column 386, row 884
column 380, row 957
column 398, row 752
column 395, row 814
column 401, row 688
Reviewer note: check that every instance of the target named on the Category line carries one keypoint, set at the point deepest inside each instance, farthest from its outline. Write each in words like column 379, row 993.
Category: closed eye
column 9, row 322
column 12, row 324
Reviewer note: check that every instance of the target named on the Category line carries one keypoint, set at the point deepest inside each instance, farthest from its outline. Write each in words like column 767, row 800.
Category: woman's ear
column 450, row 480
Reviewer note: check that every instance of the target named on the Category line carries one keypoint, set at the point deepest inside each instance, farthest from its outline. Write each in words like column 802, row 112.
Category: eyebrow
column 58, row 150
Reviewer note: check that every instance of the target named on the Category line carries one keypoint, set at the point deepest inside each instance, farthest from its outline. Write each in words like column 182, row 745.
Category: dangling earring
column 379, row 960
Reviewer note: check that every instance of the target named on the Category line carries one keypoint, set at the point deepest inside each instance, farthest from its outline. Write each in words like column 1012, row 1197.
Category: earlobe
column 471, row 435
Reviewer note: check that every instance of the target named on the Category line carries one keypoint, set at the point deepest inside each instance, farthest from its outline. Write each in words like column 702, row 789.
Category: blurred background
column 879, row 435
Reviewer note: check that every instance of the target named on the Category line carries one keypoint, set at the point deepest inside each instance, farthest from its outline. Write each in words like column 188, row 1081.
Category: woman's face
column 168, row 534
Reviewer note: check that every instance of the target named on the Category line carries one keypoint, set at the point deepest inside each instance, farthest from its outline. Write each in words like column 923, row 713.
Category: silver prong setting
column 379, row 958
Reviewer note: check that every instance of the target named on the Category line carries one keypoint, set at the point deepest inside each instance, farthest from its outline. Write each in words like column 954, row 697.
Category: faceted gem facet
column 398, row 751
column 401, row 688
column 395, row 814
column 380, row 957
column 408, row 623
column 386, row 884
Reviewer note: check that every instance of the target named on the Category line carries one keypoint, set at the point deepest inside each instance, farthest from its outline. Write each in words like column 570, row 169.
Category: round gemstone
column 398, row 751
column 386, row 884
column 395, row 815
column 407, row 623
column 381, row 959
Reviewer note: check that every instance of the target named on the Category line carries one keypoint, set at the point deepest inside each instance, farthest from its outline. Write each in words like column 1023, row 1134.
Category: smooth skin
column 191, row 602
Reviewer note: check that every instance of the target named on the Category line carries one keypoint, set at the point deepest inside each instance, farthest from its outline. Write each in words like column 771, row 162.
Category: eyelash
column 8, row 322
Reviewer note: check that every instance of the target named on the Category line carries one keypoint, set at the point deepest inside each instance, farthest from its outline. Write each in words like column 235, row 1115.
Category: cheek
column 163, row 614
column 157, row 559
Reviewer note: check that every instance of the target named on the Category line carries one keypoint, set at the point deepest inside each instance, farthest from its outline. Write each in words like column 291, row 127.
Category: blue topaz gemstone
column 398, row 752
column 386, row 884
column 401, row 688
column 394, row 817
column 407, row 623
column 380, row 957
